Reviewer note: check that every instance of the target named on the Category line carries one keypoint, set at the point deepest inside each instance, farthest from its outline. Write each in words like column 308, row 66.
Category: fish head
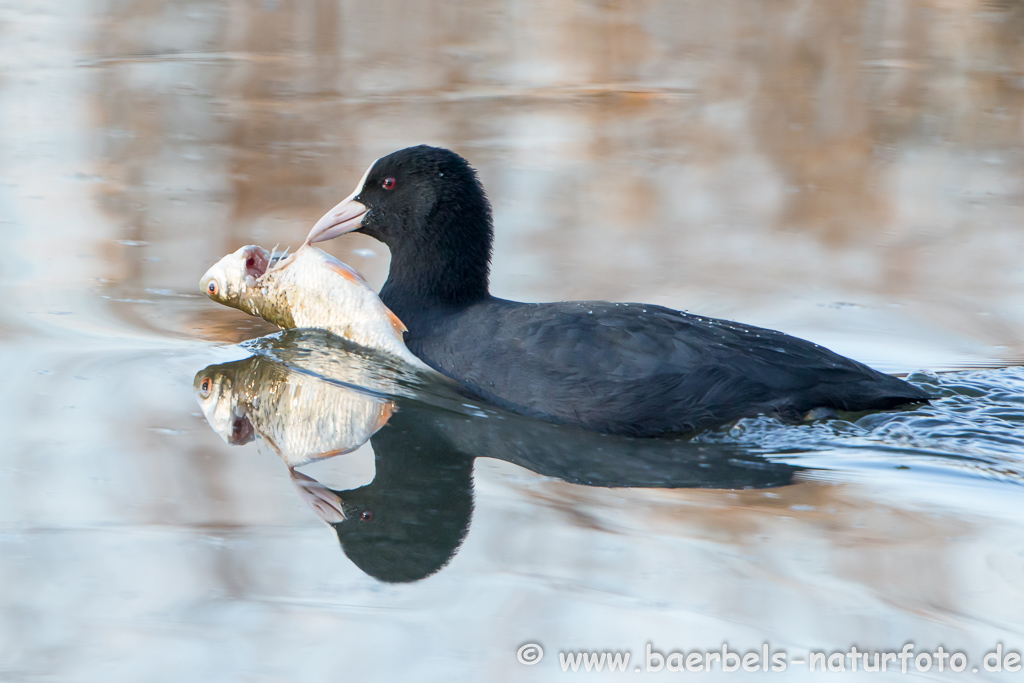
column 215, row 391
column 228, row 279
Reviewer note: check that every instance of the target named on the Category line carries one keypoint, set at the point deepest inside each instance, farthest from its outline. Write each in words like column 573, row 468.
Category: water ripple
column 975, row 423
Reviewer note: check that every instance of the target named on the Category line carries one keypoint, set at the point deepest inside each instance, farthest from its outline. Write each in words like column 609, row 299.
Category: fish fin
column 386, row 411
column 396, row 323
column 284, row 260
column 346, row 272
column 277, row 258
column 331, row 453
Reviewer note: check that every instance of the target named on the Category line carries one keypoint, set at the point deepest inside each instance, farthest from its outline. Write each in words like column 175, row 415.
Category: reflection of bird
column 409, row 521
column 619, row 368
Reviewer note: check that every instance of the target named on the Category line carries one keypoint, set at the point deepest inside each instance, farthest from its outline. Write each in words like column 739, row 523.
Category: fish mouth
column 257, row 261
column 242, row 431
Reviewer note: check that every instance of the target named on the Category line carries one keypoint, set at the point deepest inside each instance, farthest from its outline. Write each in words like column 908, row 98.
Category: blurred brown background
column 757, row 160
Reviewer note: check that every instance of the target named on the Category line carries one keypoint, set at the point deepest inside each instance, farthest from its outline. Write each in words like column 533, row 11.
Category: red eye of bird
column 366, row 516
column 212, row 288
column 388, row 184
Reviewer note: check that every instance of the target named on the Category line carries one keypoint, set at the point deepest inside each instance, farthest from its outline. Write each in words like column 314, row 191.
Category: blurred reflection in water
column 311, row 395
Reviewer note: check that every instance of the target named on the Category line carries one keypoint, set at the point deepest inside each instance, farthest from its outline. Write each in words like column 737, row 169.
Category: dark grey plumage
column 641, row 370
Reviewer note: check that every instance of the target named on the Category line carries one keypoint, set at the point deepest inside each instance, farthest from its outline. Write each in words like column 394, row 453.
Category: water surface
column 852, row 174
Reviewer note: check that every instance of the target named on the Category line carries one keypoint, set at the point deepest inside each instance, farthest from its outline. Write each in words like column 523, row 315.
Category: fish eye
column 204, row 387
column 212, row 288
column 366, row 516
column 389, row 183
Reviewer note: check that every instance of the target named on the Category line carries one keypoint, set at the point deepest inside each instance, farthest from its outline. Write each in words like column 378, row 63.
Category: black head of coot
column 428, row 206
column 414, row 192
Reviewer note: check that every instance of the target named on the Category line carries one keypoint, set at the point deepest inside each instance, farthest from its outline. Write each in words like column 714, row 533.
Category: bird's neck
column 448, row 269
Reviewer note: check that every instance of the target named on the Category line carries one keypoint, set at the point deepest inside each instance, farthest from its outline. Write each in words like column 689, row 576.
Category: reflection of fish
column 307, row 289
column 301, row 417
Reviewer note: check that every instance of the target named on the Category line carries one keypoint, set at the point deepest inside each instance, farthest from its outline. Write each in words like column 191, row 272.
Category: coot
column 620, row 368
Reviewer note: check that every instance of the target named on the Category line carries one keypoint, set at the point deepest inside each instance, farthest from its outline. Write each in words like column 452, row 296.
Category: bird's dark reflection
column 311, row 395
